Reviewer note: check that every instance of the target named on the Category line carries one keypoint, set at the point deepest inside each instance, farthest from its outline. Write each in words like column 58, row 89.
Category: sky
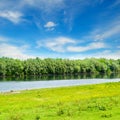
column 71, row 29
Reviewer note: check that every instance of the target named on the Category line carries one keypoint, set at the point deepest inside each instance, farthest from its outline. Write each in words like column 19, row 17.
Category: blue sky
column 74, row 29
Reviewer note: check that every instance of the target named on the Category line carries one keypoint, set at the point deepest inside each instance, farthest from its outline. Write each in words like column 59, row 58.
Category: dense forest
column 50, row 66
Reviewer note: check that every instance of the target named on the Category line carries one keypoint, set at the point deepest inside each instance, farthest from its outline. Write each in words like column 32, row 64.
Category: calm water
column 54, row 81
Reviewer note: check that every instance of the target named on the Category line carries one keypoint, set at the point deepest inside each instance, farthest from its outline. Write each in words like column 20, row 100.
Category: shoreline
column 97, row 101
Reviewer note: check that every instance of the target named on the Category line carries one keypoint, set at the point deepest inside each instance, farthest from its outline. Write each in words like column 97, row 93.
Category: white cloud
column 98, row 37
column 44, row 5
column 49, row 24
column 105, row 54
column 13, row 51
column 13, row 16
column 63, row 44
column 56, row 44
column 112, row 31
column 47, row 9
column 108, row 31
column 3, row 39
column 47, row 6
column 91, row 46
column 108, row 54
column 112, row 55
column 118, row 47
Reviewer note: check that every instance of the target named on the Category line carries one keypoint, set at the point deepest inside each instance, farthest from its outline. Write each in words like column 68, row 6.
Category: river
column 15, row 84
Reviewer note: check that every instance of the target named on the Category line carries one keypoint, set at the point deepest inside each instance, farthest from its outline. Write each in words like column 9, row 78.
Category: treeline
column 49, row 66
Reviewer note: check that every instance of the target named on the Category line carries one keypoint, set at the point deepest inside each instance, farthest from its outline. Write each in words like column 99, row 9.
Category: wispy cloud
column 107, row 31
column 111, row 31
column 109, row 54
column 12, row 16
column 12, row 51
column 104, row 54
column 3, row 39
column 46, row 6
column 75, row 8
column 50, row 25
column 116, row 3
column 48, row 9
column 91, row 46
column 118, row 47
column 63, row 44
column 101, row 1
column 56, row 44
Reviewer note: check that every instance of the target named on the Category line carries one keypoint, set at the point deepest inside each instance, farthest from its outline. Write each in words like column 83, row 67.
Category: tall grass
column 90, row 102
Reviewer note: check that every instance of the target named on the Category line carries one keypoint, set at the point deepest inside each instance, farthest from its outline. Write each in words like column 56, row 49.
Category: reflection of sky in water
column 7, row 86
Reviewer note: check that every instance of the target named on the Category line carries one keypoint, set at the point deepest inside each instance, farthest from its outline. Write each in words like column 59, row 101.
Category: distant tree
column 37, row 66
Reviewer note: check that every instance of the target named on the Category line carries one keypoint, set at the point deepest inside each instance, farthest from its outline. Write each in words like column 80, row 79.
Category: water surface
column 36, row 82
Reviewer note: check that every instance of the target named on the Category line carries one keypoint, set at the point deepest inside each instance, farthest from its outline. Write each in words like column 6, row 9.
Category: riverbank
column 93, row 102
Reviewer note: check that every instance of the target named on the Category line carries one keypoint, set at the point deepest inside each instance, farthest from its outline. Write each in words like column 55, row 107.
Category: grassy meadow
column 89, row 102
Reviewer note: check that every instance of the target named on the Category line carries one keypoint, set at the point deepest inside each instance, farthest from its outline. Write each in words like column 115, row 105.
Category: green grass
column 89, row 102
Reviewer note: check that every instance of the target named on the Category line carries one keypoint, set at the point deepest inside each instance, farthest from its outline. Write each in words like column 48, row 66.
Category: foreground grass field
column 90, row 102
